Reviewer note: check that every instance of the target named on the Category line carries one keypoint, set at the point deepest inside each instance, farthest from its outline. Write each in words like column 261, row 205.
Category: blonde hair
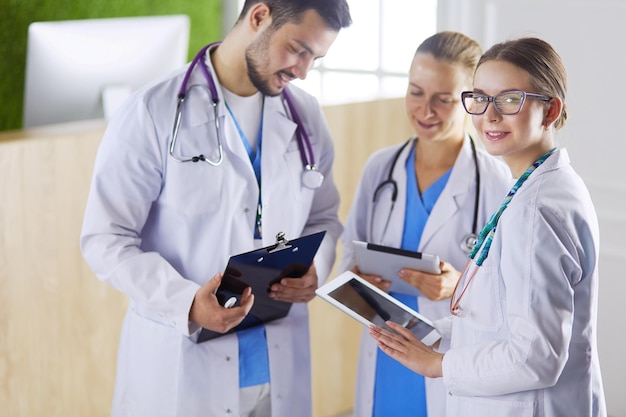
column 455, row 48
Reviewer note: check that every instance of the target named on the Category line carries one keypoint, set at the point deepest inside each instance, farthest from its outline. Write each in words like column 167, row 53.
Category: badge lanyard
column 485, row 237
column 255, row 159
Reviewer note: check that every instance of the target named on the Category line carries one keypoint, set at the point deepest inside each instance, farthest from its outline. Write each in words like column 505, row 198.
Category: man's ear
column 259, row 16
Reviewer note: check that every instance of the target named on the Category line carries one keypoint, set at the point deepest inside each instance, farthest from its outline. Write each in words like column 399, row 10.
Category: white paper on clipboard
column 386, row 261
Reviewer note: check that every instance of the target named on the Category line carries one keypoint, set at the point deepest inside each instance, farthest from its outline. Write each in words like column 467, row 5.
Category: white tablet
column 370, row 305
column 386, row 261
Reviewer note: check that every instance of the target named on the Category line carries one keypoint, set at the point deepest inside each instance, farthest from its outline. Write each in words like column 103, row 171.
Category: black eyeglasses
column 507, row 103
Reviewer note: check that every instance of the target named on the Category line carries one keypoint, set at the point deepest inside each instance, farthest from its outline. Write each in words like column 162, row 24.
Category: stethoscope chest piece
column 468, row 242
column 312, row 178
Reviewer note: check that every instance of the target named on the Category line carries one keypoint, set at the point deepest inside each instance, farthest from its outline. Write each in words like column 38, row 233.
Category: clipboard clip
column 281, row 243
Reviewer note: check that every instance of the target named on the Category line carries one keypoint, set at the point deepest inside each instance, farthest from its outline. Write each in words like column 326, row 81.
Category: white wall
column 588, row 35
column 230, row 12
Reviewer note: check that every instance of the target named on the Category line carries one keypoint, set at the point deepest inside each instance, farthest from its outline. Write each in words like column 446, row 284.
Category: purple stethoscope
column 311, row 177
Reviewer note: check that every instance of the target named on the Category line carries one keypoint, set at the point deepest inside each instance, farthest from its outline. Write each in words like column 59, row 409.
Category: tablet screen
column 377, row 309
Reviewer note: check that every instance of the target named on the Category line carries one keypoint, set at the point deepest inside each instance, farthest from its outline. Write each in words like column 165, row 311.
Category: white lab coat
column 156, row 229
column 526, row 344
column 449, row 222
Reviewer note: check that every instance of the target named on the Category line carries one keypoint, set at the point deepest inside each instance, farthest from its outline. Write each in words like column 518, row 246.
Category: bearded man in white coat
column 157, row 229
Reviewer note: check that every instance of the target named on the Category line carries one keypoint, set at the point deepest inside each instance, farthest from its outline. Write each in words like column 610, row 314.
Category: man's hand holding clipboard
column 265, row 282
column 295, row 290
column 208, row 312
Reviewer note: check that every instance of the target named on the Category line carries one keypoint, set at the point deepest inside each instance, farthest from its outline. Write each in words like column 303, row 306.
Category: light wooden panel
column 358, row 129
column 60, row 326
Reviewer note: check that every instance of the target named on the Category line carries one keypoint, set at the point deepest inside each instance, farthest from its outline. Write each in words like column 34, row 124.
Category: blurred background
column 60, row 325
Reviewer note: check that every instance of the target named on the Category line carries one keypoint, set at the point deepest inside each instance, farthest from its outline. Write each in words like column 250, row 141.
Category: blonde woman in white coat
column 524, row 313
column 157, row 229
column 443, row 169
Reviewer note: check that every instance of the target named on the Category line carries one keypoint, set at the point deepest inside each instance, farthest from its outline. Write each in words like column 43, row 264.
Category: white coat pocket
column 485, row 407
column 193, row 188
column 482, row 303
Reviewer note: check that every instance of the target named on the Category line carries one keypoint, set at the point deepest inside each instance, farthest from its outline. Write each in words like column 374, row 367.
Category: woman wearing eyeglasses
column 523, row 330
column 426, row 194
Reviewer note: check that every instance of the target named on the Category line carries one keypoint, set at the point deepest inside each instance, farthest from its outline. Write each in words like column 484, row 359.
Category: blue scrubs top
column 254, row 367
column 398, row 391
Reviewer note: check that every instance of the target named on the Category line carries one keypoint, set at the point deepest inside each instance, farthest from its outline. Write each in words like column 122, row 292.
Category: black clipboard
column 260, row 269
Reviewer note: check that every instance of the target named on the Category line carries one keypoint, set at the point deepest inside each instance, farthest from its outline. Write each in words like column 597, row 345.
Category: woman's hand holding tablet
column 369, row 305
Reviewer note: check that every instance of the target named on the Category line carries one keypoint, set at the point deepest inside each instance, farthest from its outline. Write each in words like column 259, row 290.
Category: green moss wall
column 16, row 15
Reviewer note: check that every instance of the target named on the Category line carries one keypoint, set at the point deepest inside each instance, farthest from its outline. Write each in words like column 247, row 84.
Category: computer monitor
column 84, row 69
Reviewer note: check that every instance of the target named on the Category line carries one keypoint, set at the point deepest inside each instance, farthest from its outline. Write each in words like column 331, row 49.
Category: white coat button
column 246, row 210
column 227, row 358
column 228, row 411
column 276, row 347
column 280, row 397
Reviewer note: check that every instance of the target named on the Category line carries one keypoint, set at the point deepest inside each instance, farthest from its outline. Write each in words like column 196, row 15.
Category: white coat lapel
column 278, row 130
column 393, row 236
column 454, row 195
column 198, row 101
column 198, row 121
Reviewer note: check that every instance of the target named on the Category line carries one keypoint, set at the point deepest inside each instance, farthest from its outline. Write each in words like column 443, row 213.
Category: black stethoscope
column 467, row 242
column 311, row 177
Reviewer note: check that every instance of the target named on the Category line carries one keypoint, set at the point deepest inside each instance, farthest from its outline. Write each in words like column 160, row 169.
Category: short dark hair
column 539, row 59
column 335, row 13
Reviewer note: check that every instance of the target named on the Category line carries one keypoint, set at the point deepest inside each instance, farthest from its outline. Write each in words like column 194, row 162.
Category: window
column 371, row 58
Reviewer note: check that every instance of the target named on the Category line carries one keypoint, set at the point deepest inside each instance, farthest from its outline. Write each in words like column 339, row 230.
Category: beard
column 257, row 58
